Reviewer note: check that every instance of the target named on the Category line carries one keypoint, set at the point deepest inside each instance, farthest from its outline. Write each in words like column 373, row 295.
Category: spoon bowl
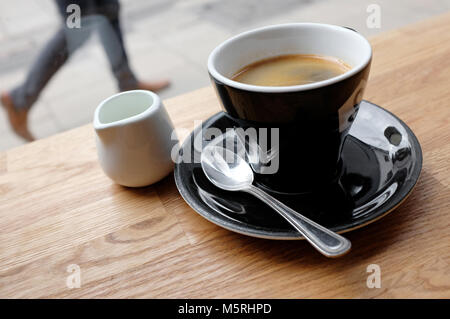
column 226, row 169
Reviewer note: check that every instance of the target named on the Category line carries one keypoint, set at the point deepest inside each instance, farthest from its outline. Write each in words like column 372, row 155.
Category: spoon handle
column 324, row 240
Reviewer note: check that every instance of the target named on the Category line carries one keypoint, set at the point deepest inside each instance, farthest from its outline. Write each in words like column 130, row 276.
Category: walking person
column 101, row 15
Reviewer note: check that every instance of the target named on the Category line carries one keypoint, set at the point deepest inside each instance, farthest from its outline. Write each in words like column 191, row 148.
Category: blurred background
column 164, row 39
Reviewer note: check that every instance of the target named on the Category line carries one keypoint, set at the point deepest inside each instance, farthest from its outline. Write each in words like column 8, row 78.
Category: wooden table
column 57, row 208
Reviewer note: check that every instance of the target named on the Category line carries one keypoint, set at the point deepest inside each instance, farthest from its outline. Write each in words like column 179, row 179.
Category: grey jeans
column 101, row 15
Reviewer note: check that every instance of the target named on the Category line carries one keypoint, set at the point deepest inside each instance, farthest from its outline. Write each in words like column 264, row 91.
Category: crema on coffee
column 292, row 69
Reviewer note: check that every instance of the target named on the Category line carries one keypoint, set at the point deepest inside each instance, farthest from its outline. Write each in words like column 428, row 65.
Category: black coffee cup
column 313, row 119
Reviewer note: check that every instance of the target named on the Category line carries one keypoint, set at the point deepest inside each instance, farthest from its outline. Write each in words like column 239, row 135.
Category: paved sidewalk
column 165, row 38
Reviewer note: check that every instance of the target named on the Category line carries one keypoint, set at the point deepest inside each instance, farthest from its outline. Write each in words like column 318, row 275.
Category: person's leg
column 112, row 40
column 19, row 100
column 54, row 54
column 49, row 60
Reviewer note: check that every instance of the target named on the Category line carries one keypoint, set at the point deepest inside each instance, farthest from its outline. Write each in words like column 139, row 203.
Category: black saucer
column 382, row 160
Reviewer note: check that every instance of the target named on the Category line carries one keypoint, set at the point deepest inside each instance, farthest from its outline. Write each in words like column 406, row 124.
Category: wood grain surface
column 57, row 208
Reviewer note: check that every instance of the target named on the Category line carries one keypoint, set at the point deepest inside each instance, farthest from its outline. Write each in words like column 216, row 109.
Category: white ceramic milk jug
column 134, row 138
